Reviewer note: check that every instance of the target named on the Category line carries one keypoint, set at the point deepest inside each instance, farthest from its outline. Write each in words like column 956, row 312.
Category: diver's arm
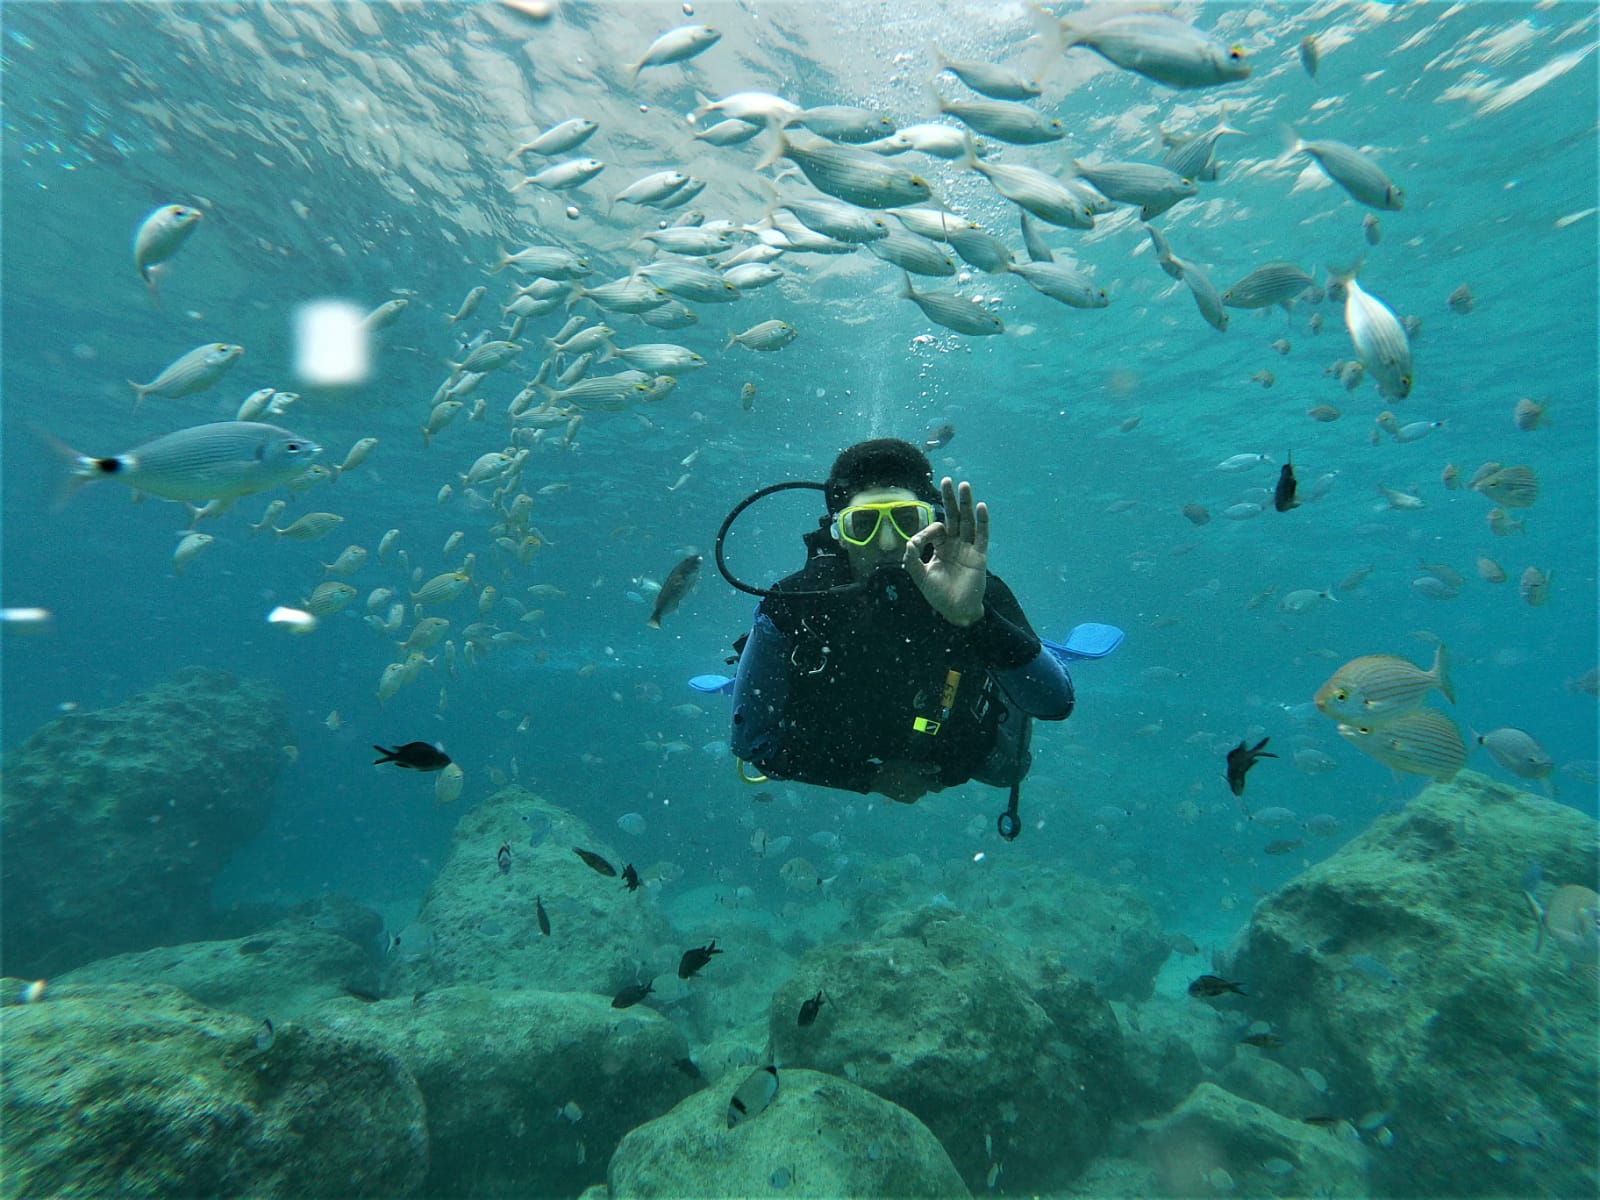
column 760, row 690
column 1034, row 679
column 760, row 734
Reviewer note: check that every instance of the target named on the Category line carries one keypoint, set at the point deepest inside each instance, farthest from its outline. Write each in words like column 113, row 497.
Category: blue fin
column 1089, row 640
column 712, row 684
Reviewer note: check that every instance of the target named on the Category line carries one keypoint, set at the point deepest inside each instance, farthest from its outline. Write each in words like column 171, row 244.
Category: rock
column 117, row 823
column 926, row 1016
column 1114, row 941
column 279, row 974
column 1169, row 1047
column 482, row 925
column 138, row 1091
column 820, row 1136
column 1216, row 1142
column 528, row 1092
column 1402, row 968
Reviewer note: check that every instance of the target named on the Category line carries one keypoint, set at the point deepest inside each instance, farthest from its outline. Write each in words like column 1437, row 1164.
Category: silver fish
column 953, row 312
column 1379, row 340
column 766, row 335
column 219, row 461
column 547, row 262
column 676, row 45
column 849, row 174
column 987, row 79
column 844, row 123
column 1273, row 283
column 1154, row 189
column 1038, row 250
column 673, row 589
column 655, row 186
column 1157, row 46
column 980, row 250
column 752, row 1097
column 660, row 357
column 1354, row 172
column 912, row 253
column 562, row 176
column 833, row 219
column 1014, row 123
column 731, row 132
column 191, row 372
column 1191, row 157
column 384, row 315
column 624, row 295
column 1210, row 304
column 160, row 235
column 1059, row 282
column 559, row 138
column 488, row 357
column 689, row 281
column 1040, row 194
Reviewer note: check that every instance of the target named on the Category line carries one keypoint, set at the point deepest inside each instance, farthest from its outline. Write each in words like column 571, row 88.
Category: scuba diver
column 893, row 661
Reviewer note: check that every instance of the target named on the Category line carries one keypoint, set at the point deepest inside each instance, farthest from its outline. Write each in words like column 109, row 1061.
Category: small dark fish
column 674, row 588
column 689, row 1068
column 541, row 916
column 696, row 958
column 265, row 1036
column 630, row 877
column 632, row 994
column 414, row 756
column 1284, row 846
column 595, row 861
column 1241, row 758
column 940, row 437
column 504, row 858
column 1283, row 495
column 810, row 1009
column 362, row 994
column 255, row 946
column 1263, row 1041
column 1214, row 985
column 1324, row 1121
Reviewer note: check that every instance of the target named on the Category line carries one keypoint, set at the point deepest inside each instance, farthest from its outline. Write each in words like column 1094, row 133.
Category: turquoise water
column 360, row 152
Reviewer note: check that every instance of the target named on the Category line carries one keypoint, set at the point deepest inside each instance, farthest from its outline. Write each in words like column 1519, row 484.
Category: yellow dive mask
column 859, row 524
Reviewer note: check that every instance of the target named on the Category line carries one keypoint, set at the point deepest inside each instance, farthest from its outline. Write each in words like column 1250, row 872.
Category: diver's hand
column 953, row 579
column 906, row 782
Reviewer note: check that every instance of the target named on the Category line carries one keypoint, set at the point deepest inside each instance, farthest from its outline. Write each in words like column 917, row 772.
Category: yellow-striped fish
column 1425, row 742
column 1377, row 688
column 1511, row 487
column 1572, row 919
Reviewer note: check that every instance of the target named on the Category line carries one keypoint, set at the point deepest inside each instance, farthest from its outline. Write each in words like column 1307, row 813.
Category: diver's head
column 879, row 494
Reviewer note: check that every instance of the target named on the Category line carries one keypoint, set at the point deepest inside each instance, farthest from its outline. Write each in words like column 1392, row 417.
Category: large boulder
column 479, row 924
column 1216, row 1143
column 1403, row 967
column 819, row 1136
column 279, row 973
column 116, row 823
column 528, row 1092
column 1114, row 940
column 927, row 1015
column 122, row 1090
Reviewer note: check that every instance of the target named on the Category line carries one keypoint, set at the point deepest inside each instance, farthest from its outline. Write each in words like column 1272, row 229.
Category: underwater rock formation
column 820, row 1136
column 1404, row 966
column 1216, row 1143
column 528, row 1092
column 123, row 1090
column 279, row 974
column 938, row 1023
column 116, row 823
column 482, row 922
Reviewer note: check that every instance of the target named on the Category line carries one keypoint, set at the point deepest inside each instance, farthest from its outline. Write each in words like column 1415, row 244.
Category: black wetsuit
column 832, row 686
